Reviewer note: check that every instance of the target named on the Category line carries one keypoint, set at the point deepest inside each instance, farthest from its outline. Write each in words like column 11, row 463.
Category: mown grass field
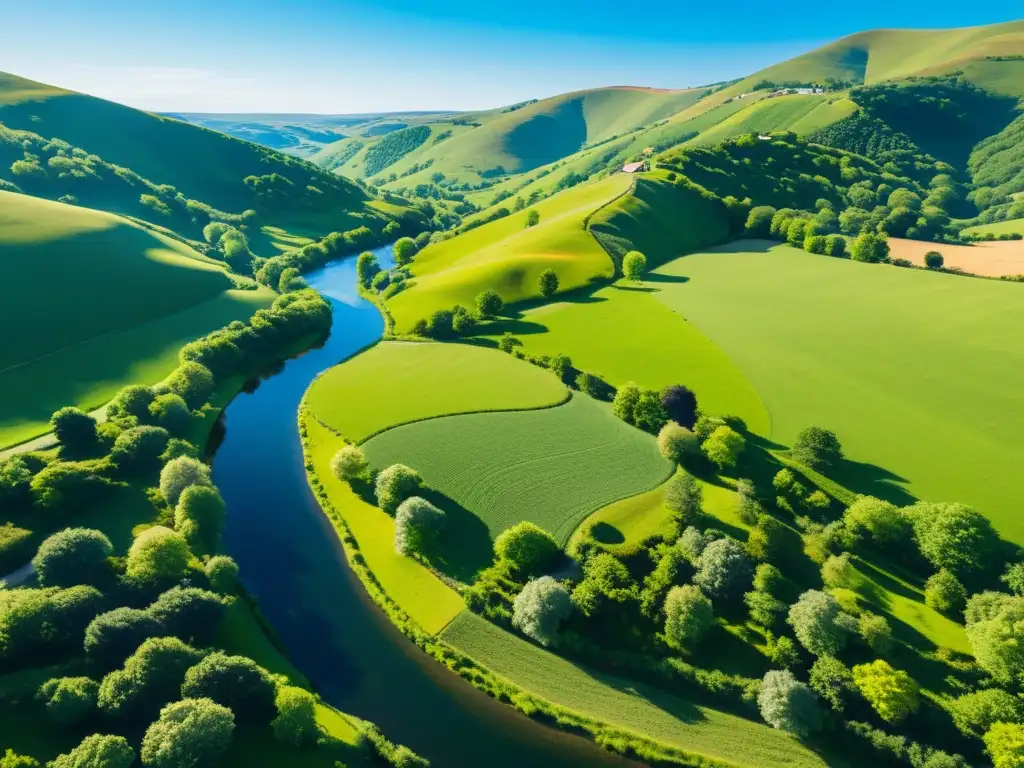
column 101, row 298
column 398, row 382
column 776, row 114
column 655, row 714
column 1007, row 227
column 507, row 256
column 428, row 600
column 552, row 466
column 888, row 358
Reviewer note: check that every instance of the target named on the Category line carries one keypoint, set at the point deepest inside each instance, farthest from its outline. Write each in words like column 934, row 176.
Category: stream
column 292, row 562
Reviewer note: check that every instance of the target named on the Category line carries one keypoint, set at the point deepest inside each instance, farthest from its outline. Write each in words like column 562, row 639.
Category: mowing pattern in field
column 398, row 382
column 889, row 358
column 552, row 467
column 623, row 703
column 507, row 256
column 776, row 114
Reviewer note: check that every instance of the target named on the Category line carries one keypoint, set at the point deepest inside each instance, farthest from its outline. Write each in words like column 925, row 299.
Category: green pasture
column 628, row 705
column 507, row 256
column 888, row 358
column 552, row 466
column 1008, row 227
column 777, row 114
column 398, row 382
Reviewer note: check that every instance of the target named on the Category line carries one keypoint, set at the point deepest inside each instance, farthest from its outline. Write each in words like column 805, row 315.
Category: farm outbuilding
column 635, row 167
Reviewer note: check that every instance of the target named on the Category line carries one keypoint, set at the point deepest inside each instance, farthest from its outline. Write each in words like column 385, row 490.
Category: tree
column 797, row 232
column 673, row 568
column 933, row 260
column 68, row 700
column 137, row 450
column 295, row 724
column 394, row 485
column 838, row 571
column 532, row 218
column 816, row 619
column 15, row 482
column 870, row 247
column 1005, row 744
column 367, row 267
column 439, row 326
column 98, row 751
column 527, row 547
column 759, row 221
column 723, row 569
column 1014, row 578
column 680, row 405
column 831, row 680
column 178, row 474
column 892, row 692
column 191, row 381
column 548, row 282
column 724, row 447
column 634, row 264
column 885, row 523
column 676, row 443
column 130, row 406
column 291, row 280
column 404, row 249
column 977, row 711
column 768, row 578
column 75, row 430
column 767, row 539
column 417, row 525
column 781, row 652
column 787, row 704
column 995, row 624
column 561, row 366
column 72, row 556
column 817, row 448
column 953, row 536
column 151, row 677
column 157, row 556
column 189, row 613
column 835, row 245
column 349, row 463
column 222, row 573
column 763, row 608
column 875, row 631
column 189, row 732
column 200, row 516
column 944, row 593
column 606, row 582
column 688, row 617
column 171, row 412
column 508, row 342
column 684, row 498
column 236, row 682
column 625, row 401
column 489, row 303
column 648, row 413
column 540, row 608
column 11, row 759
column 115, row 635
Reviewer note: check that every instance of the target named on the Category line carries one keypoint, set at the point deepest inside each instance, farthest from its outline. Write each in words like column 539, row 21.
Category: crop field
column 398, row 382
column 888, row 358
column 628, row 705
column 507, row 256
column 1007, row 227
column 552, row 466
column 995, row 259
column 612, row 334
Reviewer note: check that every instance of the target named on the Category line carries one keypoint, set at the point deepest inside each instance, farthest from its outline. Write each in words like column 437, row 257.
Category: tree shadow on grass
column 606, row 533
column 516, row 326
column 634, row 288
column 464, row 547
column 658, row 277
column 734, row 655
column 872, row 480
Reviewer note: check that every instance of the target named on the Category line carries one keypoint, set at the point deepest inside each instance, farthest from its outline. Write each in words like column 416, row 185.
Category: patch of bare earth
column 995, row 259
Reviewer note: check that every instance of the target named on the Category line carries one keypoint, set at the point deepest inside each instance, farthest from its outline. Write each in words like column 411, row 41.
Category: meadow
column 554, row 467
column 658, row 715
column 1008, row 227
column 888, row 358
column 399, row 382
column 780, row 113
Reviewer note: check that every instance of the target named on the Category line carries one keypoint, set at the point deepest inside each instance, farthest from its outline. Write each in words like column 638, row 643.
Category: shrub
column 63, row 484
column 72, row 556
column 394, row 485
column 763, row 608
column 367, row 267
column 933, row 260
column 892, row 692
column 532, row 217
column 723, row 569
column 69, row 700
column 953, row 536
column 463, row 323
column 151, row 677
column 38, row 624
column 137, row 450
column 787, row 704
column 508, row 342
column 98, row 751
column 767, row 539
column 1005, row 744
column 944, row 592
column 875, row 631
column 870, row 247
column 634, row 264
column 561, row 366
column 591, row 385
column 404, row 249
column 236, row 682
column 835, row 245
column 688, row 617
column 816, row 619
column 817, row 448
column 15, row 482
column 130, row 406
column 974, row 713
column 192, row 381
column 295, row 724
column 684, row 498
column 222, row 573
column 75, row 430
column 759, row 221
column 189, row 732
column 548, row 280
column 200, row 516
column 349, row 463
column 417, row 525
column 171, row 412
column 676, row 442
column 178, row 474
column 189, row 613
column 157, row 556
column 838, row 571
column 781, row 652
column 15, row 547
column 527, row 547
column 606, row 582
column 749, row 508
column 724, row 447
column 114, row 636
column 489, row 303
column 540, row 608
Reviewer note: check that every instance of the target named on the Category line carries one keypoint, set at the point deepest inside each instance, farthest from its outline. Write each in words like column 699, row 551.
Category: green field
column 888, row 358
column 108, row 300
column 507, row 256
column 398, row 382
column 1008, row 227
column 777, row 114
column 554, row 467
column 623, row 703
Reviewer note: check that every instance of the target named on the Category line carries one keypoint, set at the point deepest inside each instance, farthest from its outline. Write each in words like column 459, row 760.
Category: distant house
column 635, row 167
column 648, row 151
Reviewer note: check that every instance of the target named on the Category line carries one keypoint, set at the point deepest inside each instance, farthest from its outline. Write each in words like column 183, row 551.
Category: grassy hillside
column 100, row 302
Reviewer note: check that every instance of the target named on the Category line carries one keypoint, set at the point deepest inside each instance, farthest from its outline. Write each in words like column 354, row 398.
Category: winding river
column 292, row 562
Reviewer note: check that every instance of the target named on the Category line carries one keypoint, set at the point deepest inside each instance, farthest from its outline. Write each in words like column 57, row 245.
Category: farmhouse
column 635, row 167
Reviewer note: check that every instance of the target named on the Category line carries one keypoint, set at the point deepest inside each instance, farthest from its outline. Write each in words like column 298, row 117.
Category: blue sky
column 335, row 56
